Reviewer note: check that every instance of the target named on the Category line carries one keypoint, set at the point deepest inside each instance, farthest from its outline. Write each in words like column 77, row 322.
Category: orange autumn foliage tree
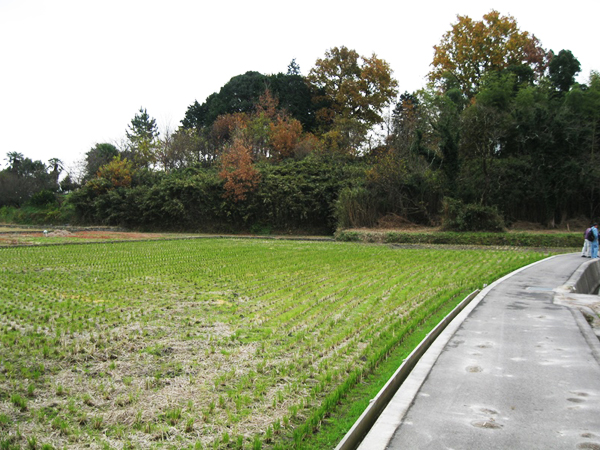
column 238, row 171
column 226, row 126
column 284, row 136
column 286, row 133
column 259, row 130
column 267, row 105
column 267, row 133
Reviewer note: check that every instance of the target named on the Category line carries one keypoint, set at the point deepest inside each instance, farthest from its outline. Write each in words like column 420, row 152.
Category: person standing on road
column 586, row 251
column 595, row 241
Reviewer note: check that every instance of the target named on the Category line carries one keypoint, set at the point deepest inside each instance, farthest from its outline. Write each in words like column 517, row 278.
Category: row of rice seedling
column 207, row 343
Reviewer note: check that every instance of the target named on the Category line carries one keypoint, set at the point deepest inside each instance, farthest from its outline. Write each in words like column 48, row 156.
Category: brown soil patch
column 59, row 233
column 396, row 222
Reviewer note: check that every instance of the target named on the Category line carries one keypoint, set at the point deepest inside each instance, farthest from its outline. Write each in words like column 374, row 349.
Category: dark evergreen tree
column 293, row 68
column 96, row 157
column 24, row 178
column 142, row 128
column 242, row 93
column 563, row 69
column 142, row 134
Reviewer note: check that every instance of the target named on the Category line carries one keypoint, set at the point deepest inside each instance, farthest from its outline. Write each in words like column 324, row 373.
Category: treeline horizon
column 501, row 133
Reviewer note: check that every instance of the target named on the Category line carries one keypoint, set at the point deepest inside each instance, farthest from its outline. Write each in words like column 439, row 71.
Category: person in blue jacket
column 595, row 241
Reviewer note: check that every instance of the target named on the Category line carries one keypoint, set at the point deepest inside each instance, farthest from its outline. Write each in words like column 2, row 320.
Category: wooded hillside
column 501, row 133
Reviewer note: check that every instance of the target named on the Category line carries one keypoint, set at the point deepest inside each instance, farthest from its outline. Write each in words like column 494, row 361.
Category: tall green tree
column 406, row 124
column 142, row 134
column 482, row 129
column 57, row 167
column 14, row 160
column 583, row 102
column 562, row 70
column 444, row 118
column 293, row 68
column 99, row 155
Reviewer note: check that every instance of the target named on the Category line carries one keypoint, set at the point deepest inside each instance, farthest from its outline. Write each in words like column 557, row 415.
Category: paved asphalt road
column 517, row 373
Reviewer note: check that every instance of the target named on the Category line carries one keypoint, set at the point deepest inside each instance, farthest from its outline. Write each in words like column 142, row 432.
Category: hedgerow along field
column 208, row 343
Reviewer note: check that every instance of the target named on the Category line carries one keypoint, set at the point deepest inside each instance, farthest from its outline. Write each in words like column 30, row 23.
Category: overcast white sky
column 74, row 72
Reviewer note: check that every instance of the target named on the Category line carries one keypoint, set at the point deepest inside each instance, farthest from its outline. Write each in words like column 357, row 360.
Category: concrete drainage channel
column 580, row 294
column 573, row 294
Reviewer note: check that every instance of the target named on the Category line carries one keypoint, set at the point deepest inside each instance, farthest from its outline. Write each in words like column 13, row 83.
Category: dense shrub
column 32, row 215
column 523, row 239
column 43, row 198
column 356, row 207
column 458, row 216
column 291, row 196
column 302, row 194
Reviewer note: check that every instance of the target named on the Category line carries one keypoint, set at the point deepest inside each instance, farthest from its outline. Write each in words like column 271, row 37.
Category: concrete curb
column 587, row 332
column 585, row 280
column 364, row 423
column 374, row 429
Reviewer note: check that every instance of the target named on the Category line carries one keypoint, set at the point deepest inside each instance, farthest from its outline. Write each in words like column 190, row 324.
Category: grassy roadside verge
column 513, row 239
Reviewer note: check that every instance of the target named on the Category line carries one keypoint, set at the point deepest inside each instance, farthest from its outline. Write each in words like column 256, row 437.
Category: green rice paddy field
column 210, row 343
